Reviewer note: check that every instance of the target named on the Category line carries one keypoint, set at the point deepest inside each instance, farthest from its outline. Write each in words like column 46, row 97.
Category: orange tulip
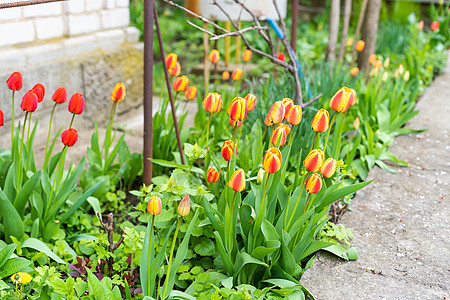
column 60, row 95
column 378, row 64
column 237, row 109
column 275, row 114
column 212, row 102
column 359, row 46
column 279, row 134
column 247, row 55
column 69, row 137
column 118, row 94
column 237, row 74
column 154, row 206
column 191, row 93
column 420, row 25
column 180, row 83
column 176, row 70
column 76, row 103
column 272, row 160
column 184, row 207
column 342, row 100
column 328, row 168
column 313, row 183
column 354, row 71
column 227, row 150
column 281, row 56
column 29, row 101
column 349, row 42
column 237, row 181
column 14, row 81
column 251, row 101
column 287, row 102
column 39, row 89
column 226, row 75
column 372, row 59
column 356, row 123
column 2, row 120
column 320, row 121
column 435, row 26
column 313, row 162
column 214, row 56
column 212, row 175
column 294, row 115
column 171, row 60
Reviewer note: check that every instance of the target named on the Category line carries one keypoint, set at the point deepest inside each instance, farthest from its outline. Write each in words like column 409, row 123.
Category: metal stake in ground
column 166, row 74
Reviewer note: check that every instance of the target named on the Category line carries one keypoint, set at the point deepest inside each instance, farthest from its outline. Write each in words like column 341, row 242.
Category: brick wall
column 61, row 19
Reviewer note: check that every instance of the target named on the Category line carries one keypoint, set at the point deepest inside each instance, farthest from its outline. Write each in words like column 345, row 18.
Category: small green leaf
column 204, row 247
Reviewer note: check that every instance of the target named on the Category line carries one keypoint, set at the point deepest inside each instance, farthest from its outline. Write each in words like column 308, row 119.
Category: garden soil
column 400, row 222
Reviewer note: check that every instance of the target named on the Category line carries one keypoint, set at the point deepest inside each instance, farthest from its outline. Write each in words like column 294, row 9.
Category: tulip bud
column 60, row 95
column 343, row 99
column 313, row 183
column 212, row 102
column 236, row 123
column 400, row 69
column 14, row 81
column 180, row 83
column 372, row 59
column 272, row 160
column 2, row 121
column 386, row 63
column 373, row 72
column 118, row 93
column 279, row 134
column 69, row 137
column 281, row 56
column 349, row 42
column 378, row 64
column 251, row 101
column 212, row 175
column 154, row 206
column 314, row 160
column 237, row 109
column 237, row 74
column 225, row 75
column 359, row 46
column 420, row 25
column 320, row 121
column 354, row 71
column 260, row 176
column 185, row 206
column 29, row 101
column 176, row 70
column 237, row 181
column 275, row 114
column 328, row 168
column 214, row 56
column 227, row 150
column 435, row 26
column 39, row 89
column 294, row 115
column 406, row 76
column 356, row 123
column 171, row 60
column 191, row 93
column 76, row 103
column 247, row 55
column 384, row 77
column 396, row 74
column 287, row 102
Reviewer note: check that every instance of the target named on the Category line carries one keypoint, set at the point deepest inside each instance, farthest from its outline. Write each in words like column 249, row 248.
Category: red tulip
column 39, row 89
column 212, row 175
column 60, row 95
column 281, row 56
column 76, row 103
column 118, row 93
column 435, row 26
column 237, row 181
column 2, row 121
column 14, row 81
column 69, row 137
column 29, row 101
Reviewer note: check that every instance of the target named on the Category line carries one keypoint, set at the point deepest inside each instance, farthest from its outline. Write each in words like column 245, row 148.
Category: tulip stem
column 328, row 133
column 298, row 200
column 349, row 144
column 29, row 126
column 207, row 131
column 48, row 136
column 262, row 138
column 337, row 155
column 170, row 257
column 149, row 259
column 230, row 224
column 109, row 128
column 71, row 121
column 291, row 136
column 314, row 140
column 20, row 152
column 12, row 127
column 264, row 193
column 310, row 203
column 58, row 167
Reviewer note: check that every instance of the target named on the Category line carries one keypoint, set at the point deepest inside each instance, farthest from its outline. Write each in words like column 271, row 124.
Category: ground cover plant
column 244, row 217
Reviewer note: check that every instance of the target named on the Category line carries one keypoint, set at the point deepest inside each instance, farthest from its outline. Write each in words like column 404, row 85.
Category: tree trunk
column 294, row 24
column 362, row 12
column 334, row 29
column 345, row 25
column 369, row 33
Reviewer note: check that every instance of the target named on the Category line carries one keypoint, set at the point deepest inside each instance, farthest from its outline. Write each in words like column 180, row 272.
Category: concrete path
column 401, row 221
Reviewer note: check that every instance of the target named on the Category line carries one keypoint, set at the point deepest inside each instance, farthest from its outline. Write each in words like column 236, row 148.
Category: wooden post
column 334, row 29
column 369, row 33
column 227, row 44
column 345, row 25
column 294, row 24
column 205, row 58
column 238, row 47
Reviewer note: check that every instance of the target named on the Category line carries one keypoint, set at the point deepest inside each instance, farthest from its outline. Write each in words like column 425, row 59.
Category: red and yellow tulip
column 272, row 160
column 154, row 206
column 212, row 175
column 191, row 93
column 227, row 150
column 171, row 60
column 354, row 71
column 214, row 56
column 176, row 70
column 320, row 121
column 118, row 93
column 279, row 135
column 275, row 114
column 294, row 115
column 212, row 102
column 287, row 102
column 180, row 83
column 237, row 181
column 313, row 162
column 237, row 74
column 313, row 183
column 328, row 168
column 247, row 55
column 343, row 99
column 251, row 101
column 237, row 109
column 184, row 207
column 359, row 46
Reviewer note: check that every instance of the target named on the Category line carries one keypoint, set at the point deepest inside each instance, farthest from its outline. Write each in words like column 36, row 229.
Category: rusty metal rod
column 169, row 89
column 26, row 3
column 149, row 6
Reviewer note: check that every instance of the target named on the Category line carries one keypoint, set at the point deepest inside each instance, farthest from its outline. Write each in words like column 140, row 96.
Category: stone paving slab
column 401, row 221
